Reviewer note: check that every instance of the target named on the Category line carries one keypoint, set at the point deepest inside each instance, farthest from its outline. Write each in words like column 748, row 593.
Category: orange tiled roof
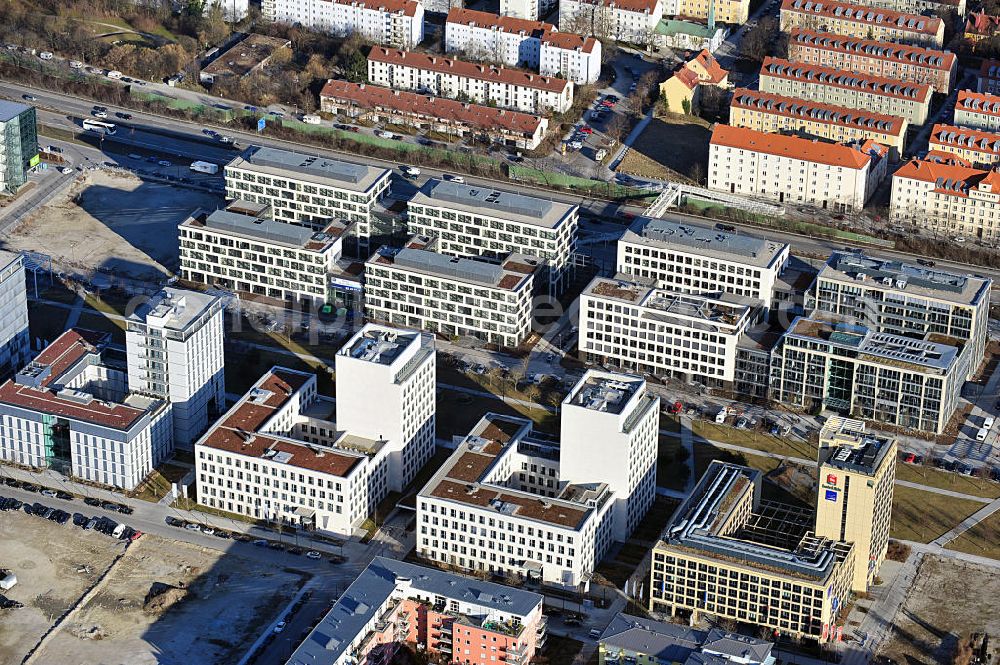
column 982, row 24
column 471, row 70
column 570, row 41
column 503, row 23
column 944, row 157
column 641, row 6
column 793, row 147
column 873, row 48
column 962, row 137
column 917, row 23
column 880, row 85
column 687, row 77
column 793, row 107
column 407, row 7
column 715, row 71
column 949, row 179
column 978, row 102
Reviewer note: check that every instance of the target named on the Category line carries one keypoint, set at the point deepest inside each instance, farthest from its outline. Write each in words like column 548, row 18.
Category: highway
column 184, row 139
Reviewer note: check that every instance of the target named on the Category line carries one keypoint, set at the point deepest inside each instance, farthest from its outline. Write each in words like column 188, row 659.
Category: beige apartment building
column 913, row 64
column 842, row 18
column 724, row 11
column 947, row 198
column 980, row 149
column 977, row 110
column 857, row 471
column 766, row 112
column 835, row 86
column 925, row 7
column 793, row 169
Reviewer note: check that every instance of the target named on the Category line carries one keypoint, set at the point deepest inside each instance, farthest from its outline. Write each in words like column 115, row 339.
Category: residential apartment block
column 632, row 639
column 18, row 144
column 734, row 12
column 925, row 7
column 730, row 553
column 416, row 287
column 393, row 606
column 858, row 91
column 886, row 378
column 947, row 198
column 849, row 20
column 469, row 220
column 511, row 129
column 767, row 112
column 977, row 148
column 515, row 502
column 308, row 190
column 989, row 77
column 483, row 84
column 256, row 256
column 71, row 410
column 632, row 21
column 15, row 341
column 514, row 42
column 395, row 23
column 637, row 327
column 174, row 345
column 904, row 299
column 977, row 110
column 857, row 471
column 793, row 169
column 530, row 10
column 285, row 453
column 688, row 258
column 912, row 64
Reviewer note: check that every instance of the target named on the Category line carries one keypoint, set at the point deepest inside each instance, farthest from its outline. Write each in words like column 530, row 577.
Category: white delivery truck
column 205, row 167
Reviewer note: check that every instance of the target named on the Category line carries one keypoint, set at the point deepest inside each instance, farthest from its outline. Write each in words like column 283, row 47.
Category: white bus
column 99, row 126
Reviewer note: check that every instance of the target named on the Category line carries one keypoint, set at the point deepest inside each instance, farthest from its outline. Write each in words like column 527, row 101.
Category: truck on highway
column 205, row 167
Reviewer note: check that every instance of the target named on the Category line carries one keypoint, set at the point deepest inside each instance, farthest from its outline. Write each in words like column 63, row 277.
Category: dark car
column 123, row 116
column 79, row 519
column 295, row 550
column 926, row 262
column 47, row 512
column 173, row 521
column 275, row 545
column 125, row 510
column 30, row 488
column 223, row 534
column 65, row 496
column 11, row 482
column 90, row 501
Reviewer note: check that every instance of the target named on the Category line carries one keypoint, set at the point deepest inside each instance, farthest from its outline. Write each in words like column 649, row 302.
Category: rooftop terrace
column 910, row 278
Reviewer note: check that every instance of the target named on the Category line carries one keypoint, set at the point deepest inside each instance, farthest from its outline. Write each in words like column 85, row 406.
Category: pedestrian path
column 968, row 523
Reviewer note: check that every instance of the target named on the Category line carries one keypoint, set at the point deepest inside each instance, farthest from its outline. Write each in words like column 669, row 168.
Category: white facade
column 688, row 258
column 482, row 84
column 477, row 221
column 531, row 10
column 15, row 341
column 174, row 344
column 308, row 190
column 397, row 23
column 977, row 110
column 68, row 411
column 570, row 57
column 418, row 288
column 631, row 21
column 232, row 10
column 789, row 169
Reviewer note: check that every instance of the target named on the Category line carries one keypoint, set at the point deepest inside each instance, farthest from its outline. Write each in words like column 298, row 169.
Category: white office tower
column 15, row 342
column 174, row 344
column 386, row 392
column 609, row 430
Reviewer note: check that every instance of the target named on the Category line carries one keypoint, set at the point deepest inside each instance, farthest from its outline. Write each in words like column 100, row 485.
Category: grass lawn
column 244, row 368
column 458, row 412
column 779, row 488
column 46, row 321
column 93, row 321
column 158, row 484
column 754, row 439
column 498, row 386
column 923, row 516
column 982, row 539
column 670, row 147
column 947, row 480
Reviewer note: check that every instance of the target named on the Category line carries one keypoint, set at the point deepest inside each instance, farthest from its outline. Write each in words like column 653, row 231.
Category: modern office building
column 395, row 23
column 842, row 18
column 767, row 112
column 71, row 410
column 977, row 110
column 416, row 287
column 834, row 86
column 978, row 148
column 729, row 553
column 631, row 21
column 511, row 129
column 174, row 346
column 917, row 301
column 488, row 84
column 913, row 64
column 688, row 258
column 18, row 144
column 791, row 169
column 639, row 328
column 506, row 503
column 308, row 190
column 471, row 220
column 258, row 257
column 948, row 198
column 857, row 471
column 632, row 639
column 15, row 340
column 886, row 378
column 443, row 615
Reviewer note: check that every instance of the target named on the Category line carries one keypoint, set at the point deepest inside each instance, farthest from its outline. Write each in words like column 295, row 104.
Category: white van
column 45, row 55
column 988, row 422
column 114, row 74
column 311, row 119
column 982, row 433
column 75, row 64
column 720, row 417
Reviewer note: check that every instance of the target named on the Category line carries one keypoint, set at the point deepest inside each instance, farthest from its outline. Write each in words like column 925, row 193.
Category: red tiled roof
column 793, row 107
column 961, row 137
column 978, row 102
column 793, row 147
column 640, row 6
column 880, row 85
column 570, row 41
column 407, row 7
column 509, row 24
column 948, row 178
column 687, row 77
column 471, row 70
column 982, row 24
column 870, row 15
column 943, row 157
column 916, row 56
column 715, row 71
column 473, row 115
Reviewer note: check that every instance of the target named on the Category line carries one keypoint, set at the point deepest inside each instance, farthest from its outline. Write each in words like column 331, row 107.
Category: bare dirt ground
column 54, row 568
column 671, row 148
column 214, row 607
column 948, row 599
column 115, row 221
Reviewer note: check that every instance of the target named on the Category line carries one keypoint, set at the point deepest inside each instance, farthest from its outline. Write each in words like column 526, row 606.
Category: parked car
column 79, row 519
column 173, row 521
column 280, row 626
column 91, row 501
column 192, row 527
column 29, row 98
column 46, row 55
column 313, row 554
